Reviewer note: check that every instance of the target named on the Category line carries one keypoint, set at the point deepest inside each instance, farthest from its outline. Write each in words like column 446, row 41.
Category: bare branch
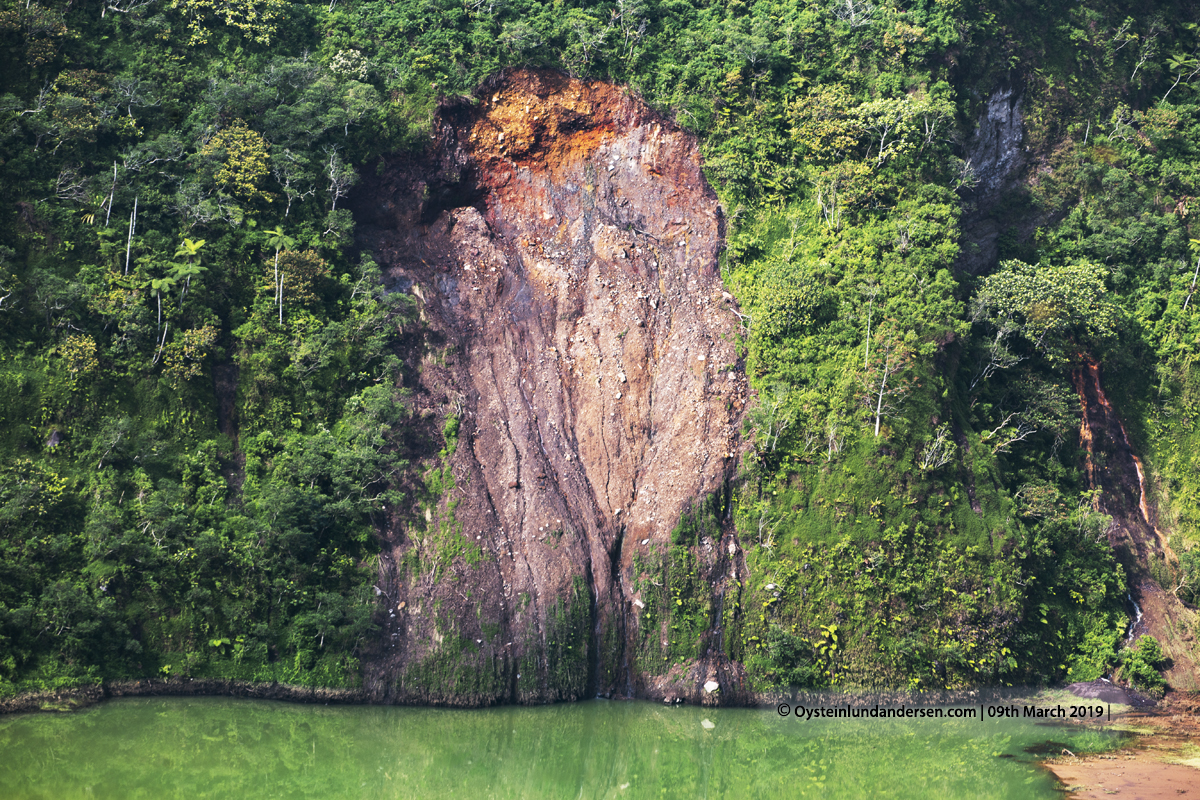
column 70, row 186
column 938, row 452
column 855, row 13
column 126, row 6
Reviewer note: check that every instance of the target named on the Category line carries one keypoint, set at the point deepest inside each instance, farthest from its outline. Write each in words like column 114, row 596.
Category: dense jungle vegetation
column 914, row 512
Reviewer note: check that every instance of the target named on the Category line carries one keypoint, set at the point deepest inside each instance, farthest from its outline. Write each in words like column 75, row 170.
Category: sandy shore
column 1127, row 774
column 1164, row 761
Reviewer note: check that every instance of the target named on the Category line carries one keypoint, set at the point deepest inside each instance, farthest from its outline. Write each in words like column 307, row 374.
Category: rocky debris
column 1107, row 692
column 1112, row 467
column 561, row 242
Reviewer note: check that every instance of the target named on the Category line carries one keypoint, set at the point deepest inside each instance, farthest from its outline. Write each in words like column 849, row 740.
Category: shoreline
column 84, row 696
column 1163, row 761
column 81, row 697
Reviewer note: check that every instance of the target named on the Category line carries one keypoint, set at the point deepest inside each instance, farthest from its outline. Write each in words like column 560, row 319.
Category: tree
column 995, row 354
column 8, row 281
column 870, row 291
column 296, row 274
column 885, row 378
column 1057, row 309
column 1185, row 66
column 1140, row 666
column 158, row 286
column 341, row 176
column 79, row 354
column 630, row 17
column 824, row 123
column 279, row 240
column 1027, row 406
column 43, row 30
column 1195, row 245
column 773, row 415
column 293, row 171
column 1187, row 576
column 587, row 35
column 939, row 451
column 256, row 19
column 789, row 300
column 183, row 357
column 832, row 126
column 242, row 154
column 190, row 252
column 855, row 13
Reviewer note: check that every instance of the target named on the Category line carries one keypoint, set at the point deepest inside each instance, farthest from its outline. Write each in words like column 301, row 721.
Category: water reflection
column 221, row 748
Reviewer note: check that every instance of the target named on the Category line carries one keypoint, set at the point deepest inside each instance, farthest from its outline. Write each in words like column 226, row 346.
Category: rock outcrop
column 996, row 157
column 577, row 356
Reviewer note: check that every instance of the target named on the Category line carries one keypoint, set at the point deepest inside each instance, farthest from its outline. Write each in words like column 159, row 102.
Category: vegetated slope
column 206, row 393
column 563, row 243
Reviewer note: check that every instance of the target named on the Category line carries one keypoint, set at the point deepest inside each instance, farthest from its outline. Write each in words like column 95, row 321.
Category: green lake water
column 223, row 748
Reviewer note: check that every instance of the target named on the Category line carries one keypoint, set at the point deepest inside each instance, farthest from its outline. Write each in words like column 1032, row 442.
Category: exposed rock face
column 996, row 152
column 1112, row 467
column 563, row 245
column 996, row 155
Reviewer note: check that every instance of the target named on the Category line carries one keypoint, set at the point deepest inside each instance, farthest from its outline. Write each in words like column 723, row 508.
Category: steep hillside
column 1122, row 482
column 485, row 352
column 563, row 244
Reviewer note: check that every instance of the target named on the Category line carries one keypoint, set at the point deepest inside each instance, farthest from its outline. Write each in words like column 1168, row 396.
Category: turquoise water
column 224, row 748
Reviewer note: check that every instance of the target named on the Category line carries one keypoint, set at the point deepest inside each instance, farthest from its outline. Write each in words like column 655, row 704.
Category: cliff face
column 562, row 245
column 996, row 156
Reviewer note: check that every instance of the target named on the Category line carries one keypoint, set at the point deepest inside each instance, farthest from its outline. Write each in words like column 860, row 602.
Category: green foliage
column 1140, row 666
column 196, row 402
column 187, row 463
column 677, row 602
column 1059, row 311
column 256, row 20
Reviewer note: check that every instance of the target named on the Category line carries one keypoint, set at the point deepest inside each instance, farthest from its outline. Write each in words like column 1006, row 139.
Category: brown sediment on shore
column 1164, row 760
column 1126, row 774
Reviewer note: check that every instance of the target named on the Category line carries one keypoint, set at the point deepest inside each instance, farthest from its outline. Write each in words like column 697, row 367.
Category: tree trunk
column 132, row 230
column 1192, row 291
column 882, row 388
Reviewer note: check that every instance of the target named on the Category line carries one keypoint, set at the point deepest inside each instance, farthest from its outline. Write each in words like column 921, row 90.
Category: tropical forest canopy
column 199, row 412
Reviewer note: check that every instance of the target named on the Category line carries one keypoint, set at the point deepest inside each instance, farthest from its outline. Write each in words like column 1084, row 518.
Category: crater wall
column 562, row 245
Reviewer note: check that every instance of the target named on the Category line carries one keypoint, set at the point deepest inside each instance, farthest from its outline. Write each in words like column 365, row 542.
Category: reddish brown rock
column 1112, row 467
column 562, row 243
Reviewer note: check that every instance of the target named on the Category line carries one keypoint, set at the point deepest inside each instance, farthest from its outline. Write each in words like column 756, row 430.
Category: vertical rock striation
column 996, row 158
column 562, row 243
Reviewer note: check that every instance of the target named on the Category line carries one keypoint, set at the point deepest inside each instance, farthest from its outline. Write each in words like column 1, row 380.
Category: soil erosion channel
column 1113, row 468
column 561, row 243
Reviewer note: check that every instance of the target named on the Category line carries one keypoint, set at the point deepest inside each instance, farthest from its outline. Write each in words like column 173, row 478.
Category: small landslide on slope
column 1112, row 467
column 562, row 244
